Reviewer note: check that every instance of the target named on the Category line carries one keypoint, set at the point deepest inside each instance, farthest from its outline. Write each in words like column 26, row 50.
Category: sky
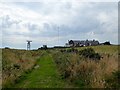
column 55, row 22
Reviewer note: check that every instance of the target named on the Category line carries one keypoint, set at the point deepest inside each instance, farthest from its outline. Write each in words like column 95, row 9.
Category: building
column 77, row 43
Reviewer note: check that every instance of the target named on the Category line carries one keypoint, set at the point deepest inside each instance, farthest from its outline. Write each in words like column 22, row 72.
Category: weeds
column 15, row 63
column 94, row 67
column 82, row 70
column 113, row 80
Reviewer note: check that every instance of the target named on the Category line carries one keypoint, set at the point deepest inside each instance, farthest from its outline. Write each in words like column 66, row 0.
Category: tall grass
column 86, row 72
column 75, row 67
column 15, row 63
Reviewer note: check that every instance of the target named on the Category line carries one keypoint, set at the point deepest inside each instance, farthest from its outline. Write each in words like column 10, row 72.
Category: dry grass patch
column 15, row 63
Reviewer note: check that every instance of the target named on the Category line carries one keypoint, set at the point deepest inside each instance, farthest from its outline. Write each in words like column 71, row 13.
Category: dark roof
column 81, row 41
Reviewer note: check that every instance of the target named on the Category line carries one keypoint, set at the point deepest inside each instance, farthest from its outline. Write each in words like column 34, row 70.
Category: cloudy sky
column 41, row 21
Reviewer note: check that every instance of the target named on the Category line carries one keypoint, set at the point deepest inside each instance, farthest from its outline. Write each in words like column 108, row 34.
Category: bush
column 90, row 53
column 106, row 43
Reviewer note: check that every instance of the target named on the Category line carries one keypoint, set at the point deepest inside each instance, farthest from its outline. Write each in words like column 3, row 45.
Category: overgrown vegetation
column 90, row 53
column 15, row 63
column 113, row 80
column 83, row 67
column 86, row 68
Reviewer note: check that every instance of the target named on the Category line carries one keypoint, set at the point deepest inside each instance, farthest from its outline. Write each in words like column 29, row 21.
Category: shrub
column 90, row 53
column 106, row 43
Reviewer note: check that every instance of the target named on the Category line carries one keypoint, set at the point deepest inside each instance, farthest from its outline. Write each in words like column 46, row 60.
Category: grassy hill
column 61, row 68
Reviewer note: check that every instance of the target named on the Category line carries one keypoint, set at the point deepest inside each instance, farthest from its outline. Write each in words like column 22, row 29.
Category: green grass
column 103, row 49
column 46, row 76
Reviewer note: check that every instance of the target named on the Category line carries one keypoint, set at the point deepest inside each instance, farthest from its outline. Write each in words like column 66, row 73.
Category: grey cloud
column 80, row 24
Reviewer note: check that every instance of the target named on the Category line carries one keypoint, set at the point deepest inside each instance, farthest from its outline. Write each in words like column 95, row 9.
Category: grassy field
column 55, row 69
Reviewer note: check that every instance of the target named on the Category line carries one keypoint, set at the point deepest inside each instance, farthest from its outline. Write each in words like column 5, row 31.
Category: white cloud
column 17, row 13
column 76, row 20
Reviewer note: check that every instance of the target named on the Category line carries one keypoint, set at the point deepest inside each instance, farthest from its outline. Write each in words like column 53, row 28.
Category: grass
column 104, row 49
column 16, row 62
column 45, row 76
column 86, row 72
column 55, row 69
